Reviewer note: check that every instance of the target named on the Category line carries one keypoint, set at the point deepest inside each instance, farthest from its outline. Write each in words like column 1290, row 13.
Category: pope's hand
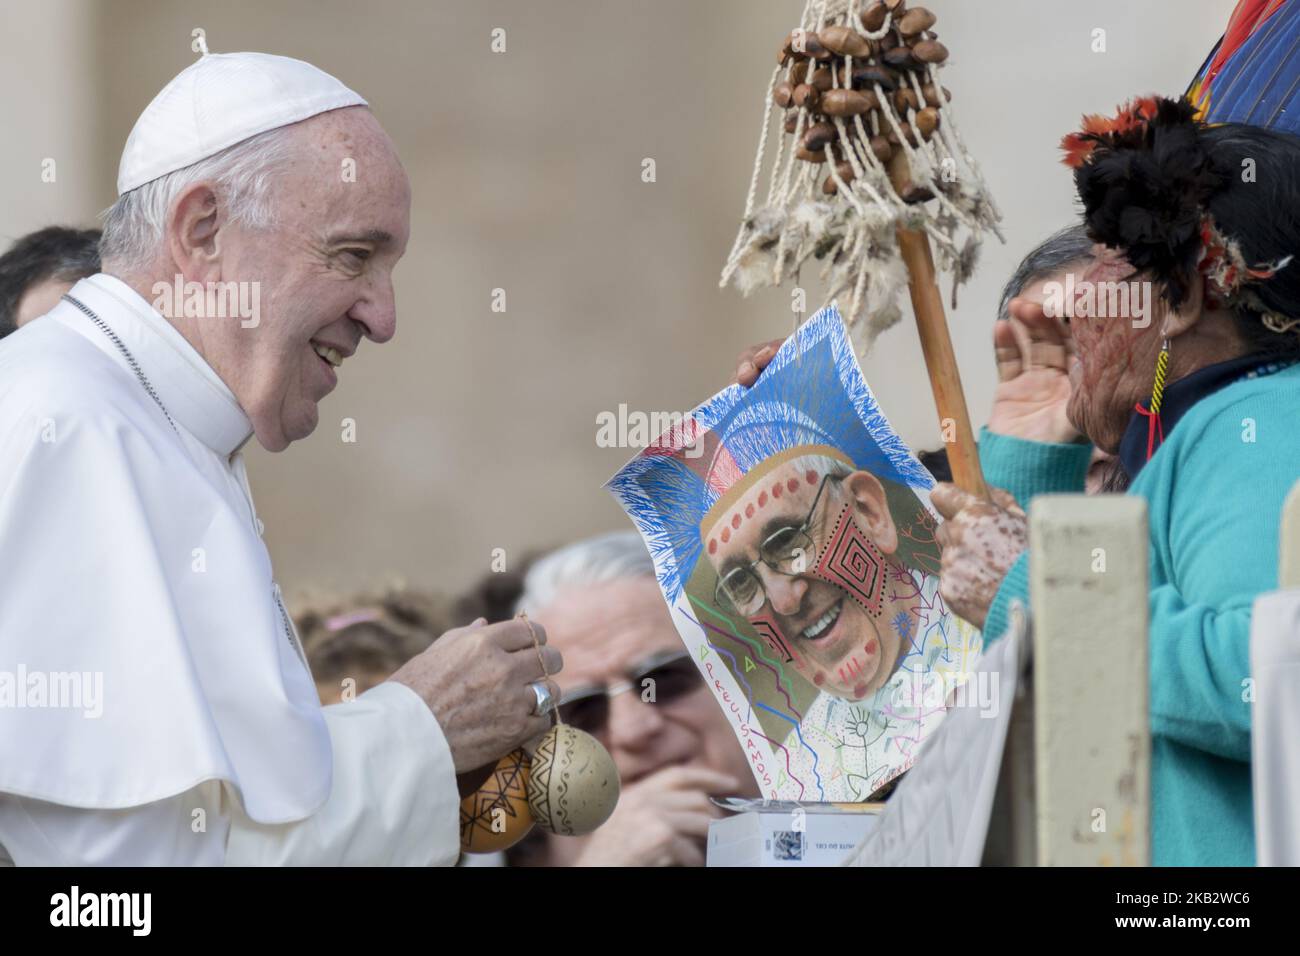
column 980, row 541
column 754, row 359
column 476, row 681
column 661, row 820
column 1033, row 354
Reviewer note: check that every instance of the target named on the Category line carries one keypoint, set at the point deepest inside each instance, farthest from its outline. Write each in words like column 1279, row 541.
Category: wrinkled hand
column 1033, row 354
column 980, row 541
column 475, row 680
column 661, row 820
column 753, row 360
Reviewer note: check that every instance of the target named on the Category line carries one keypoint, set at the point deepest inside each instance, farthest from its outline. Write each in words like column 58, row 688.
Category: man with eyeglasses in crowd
column 629, row 680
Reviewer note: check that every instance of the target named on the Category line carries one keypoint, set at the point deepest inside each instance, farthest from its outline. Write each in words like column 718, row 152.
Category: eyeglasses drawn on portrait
column 825, row 563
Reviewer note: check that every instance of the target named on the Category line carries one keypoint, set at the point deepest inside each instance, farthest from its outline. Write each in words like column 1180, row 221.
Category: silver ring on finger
column 545, row 699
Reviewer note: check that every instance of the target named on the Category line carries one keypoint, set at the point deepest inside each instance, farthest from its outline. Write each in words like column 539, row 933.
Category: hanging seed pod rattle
column 870, row 177
column 569, row 786
column 573, row 784
column 495, row 816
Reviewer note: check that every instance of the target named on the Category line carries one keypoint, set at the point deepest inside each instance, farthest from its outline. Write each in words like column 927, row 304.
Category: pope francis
column 134, row 569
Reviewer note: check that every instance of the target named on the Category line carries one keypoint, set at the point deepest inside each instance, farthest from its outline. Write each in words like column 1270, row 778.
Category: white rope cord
column 869, row 157
column 938, row 153
column 762, row 145
column 753, row 182
column 841, row 187
column 873, row 169
column 951, row 129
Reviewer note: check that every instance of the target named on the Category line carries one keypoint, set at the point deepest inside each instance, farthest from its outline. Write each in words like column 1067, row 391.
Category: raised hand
column 1034, row 356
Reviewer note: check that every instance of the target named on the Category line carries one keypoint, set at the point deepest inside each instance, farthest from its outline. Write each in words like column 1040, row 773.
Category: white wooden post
column 1288, row 571
column 1092, row 740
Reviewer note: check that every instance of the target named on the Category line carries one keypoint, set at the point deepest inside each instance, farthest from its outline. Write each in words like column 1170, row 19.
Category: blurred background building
column 476, row 430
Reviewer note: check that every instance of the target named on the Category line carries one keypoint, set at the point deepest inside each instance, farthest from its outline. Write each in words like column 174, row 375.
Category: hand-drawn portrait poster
column 795, row 545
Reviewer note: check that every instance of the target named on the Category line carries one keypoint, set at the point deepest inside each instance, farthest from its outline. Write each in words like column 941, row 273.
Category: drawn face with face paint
column 806, row 558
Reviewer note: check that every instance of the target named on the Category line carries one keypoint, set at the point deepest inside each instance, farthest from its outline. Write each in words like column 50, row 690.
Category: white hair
column 243, row 175
column 606, row 557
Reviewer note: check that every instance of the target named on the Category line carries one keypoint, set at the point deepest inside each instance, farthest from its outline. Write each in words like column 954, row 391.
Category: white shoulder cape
column 126, row 560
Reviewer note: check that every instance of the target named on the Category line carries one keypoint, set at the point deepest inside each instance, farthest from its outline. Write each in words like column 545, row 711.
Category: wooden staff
column 936, row 344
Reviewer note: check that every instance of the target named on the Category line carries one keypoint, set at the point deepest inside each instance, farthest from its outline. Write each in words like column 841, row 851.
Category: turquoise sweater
column 1215, row 500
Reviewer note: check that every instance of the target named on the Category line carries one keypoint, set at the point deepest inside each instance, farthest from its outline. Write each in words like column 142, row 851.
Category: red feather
column 1098, row 130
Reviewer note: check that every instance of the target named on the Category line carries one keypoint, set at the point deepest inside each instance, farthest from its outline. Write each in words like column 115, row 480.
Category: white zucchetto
column 220, row 100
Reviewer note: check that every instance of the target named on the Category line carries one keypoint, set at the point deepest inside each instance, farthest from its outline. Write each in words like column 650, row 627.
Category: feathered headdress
column 1251, row 76
column 1146, row 179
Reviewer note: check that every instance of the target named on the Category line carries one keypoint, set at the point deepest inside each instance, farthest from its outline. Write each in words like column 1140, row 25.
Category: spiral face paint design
column 852, row 562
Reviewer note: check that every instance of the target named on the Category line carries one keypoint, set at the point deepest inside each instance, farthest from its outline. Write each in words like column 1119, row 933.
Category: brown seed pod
column 889, row 41
column 931, row 94
column 783, row 94
column 927, row 121
column 848, row 103
column 905, row 98
column 867, row 75
column 873, row 17
column 809, row 156
column 912, row 194
column 909, row 134
column 881, row 149
column 844, row 41
column 805, row 96
column 799, row 73
column 801, row 45
column 900, row 58
column 915, row 21
column 818, row 137
column 930, row 51
column 791, row 121
column 896, row 7
column 829, row 187
column 821, row 79
column 808, row 43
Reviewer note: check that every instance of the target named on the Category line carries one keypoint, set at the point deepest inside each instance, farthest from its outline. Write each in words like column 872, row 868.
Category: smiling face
column 831, row 614
column 323, row 272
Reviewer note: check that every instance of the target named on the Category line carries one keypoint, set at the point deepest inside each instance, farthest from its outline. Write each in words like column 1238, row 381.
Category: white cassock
column 131, row 560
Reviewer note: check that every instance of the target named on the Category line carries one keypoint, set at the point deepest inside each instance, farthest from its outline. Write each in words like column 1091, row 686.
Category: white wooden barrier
column 1092, row 742
column 1275, row 670
column 1074, row 784
column 1289, row 557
